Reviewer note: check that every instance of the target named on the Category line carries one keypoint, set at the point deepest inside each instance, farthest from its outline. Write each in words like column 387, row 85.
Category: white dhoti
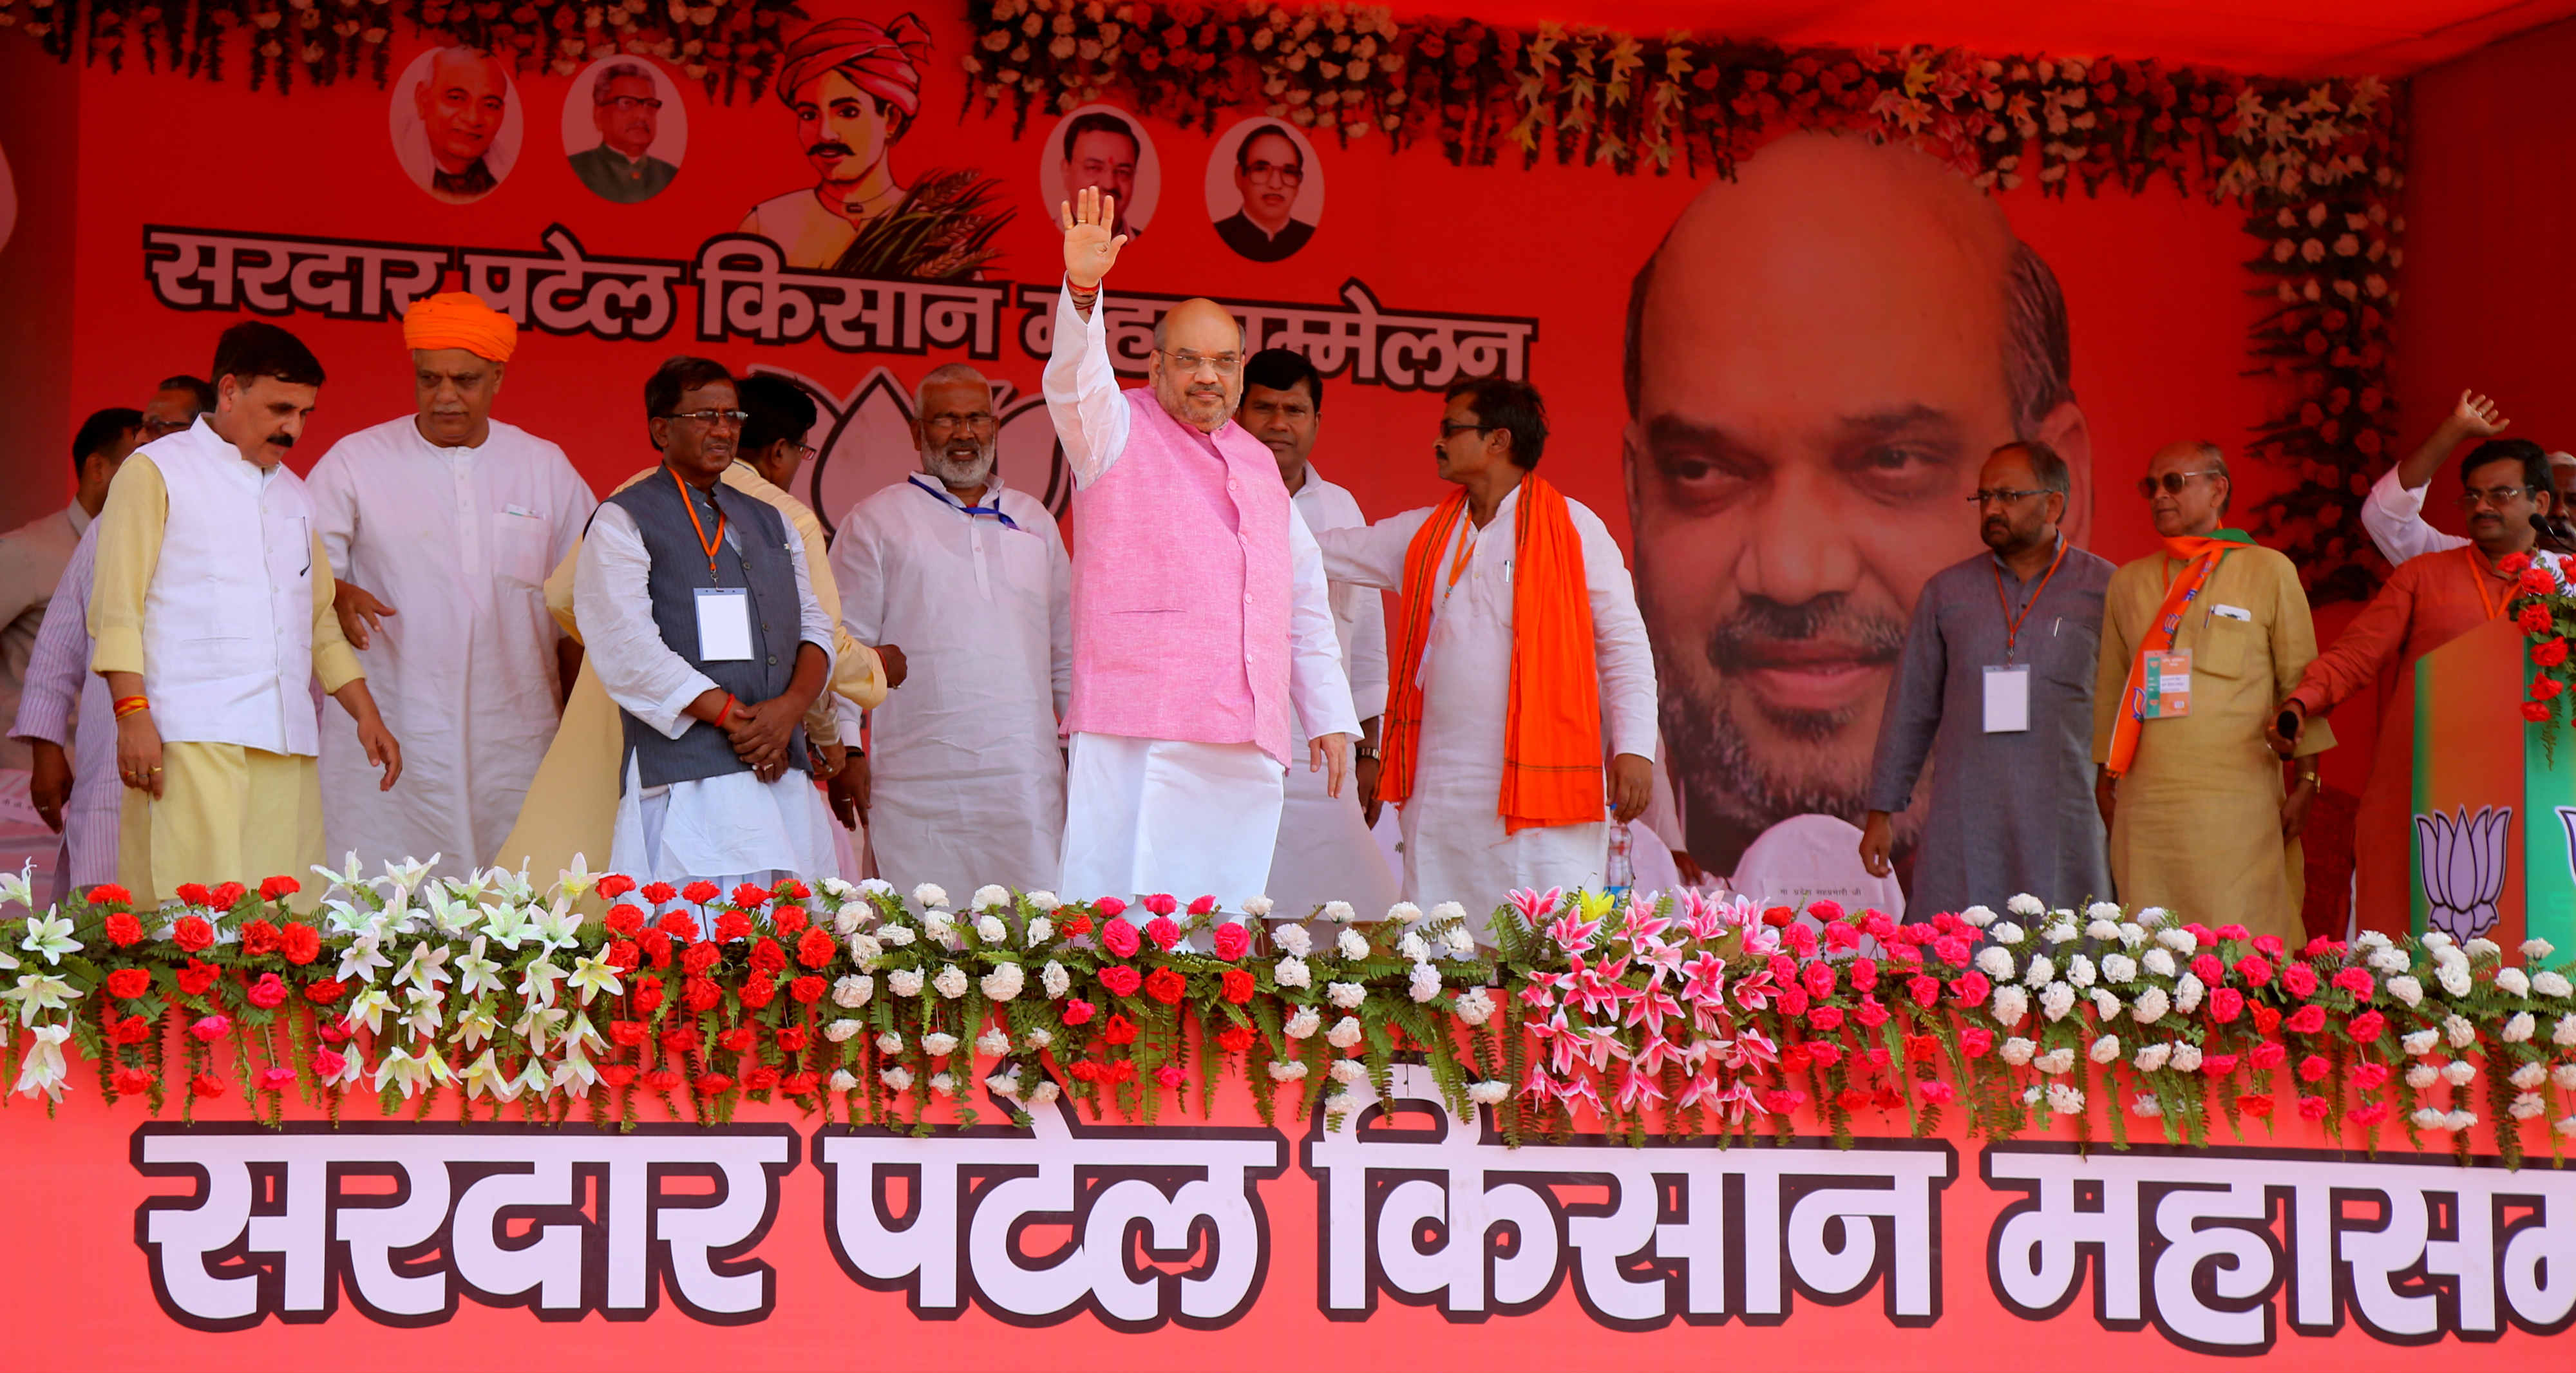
column 1147, row 816
column 1460, row 853
column 728, row 830
column 1325, row 851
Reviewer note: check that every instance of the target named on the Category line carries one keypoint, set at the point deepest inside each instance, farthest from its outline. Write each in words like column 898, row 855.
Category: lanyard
column 2012, row 622
column 969, row 511
column 707, row 545
column 2478, row 577
column 1466, row 554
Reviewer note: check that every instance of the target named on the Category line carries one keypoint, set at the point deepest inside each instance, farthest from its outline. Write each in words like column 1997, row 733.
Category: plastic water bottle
column 1622, row 874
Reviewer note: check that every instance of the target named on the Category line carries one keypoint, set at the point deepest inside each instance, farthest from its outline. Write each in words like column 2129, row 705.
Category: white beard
column 954, row 472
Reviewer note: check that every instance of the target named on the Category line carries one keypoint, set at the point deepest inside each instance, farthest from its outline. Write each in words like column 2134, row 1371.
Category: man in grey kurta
column 1995, row 687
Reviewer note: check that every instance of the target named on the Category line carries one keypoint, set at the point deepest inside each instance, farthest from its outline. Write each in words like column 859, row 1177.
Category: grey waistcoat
column 754, row 555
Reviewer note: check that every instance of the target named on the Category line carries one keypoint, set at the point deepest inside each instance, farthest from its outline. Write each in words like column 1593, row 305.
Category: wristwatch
column 1364, row 749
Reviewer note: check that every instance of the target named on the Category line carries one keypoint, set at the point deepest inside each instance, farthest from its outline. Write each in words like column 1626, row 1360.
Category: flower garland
column 2544, row 609
column 1660, row 1016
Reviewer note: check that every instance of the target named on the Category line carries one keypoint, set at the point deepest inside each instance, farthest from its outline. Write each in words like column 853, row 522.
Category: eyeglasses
column 155, row 428
column 941, row 424
column 2003, row 497
column 799, row 451
column 629, row 104
column 2495, row 496
column 2173, row 482
column 1225, row 363
column 1450, row 429
column 1285, row 173
column 711, row 418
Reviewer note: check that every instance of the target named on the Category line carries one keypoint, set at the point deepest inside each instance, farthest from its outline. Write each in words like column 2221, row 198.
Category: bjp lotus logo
column 2461, row 860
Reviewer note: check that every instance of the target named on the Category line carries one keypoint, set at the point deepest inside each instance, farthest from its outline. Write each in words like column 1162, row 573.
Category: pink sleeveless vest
column 1181, row 589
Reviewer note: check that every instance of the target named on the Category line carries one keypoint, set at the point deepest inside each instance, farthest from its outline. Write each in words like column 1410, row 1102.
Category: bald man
column 1199, row 608
column 965, row 784
column 1820, row 355
column 461, row 102
column 441, row 525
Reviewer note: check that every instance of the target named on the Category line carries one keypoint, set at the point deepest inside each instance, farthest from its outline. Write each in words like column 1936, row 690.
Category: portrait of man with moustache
column 1819, row 356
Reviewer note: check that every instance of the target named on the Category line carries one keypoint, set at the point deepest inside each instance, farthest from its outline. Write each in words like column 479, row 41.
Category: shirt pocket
column 2227, row 647
column 519, row 549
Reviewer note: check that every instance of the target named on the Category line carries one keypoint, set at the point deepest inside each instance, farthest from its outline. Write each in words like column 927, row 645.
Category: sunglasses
column 2173, row 483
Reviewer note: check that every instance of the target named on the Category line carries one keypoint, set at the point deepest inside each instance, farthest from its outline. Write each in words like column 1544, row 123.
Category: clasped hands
column 760, row 733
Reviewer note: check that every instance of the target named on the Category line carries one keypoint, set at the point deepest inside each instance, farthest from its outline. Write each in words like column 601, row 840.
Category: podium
column 2494, row 811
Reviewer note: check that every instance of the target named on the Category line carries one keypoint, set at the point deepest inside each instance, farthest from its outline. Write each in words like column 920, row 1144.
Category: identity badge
column 2167, row 684
column 724, row 624
column 2007, row 699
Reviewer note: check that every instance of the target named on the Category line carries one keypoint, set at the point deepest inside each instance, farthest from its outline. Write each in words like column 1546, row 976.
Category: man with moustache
column 1199, row 608
column 1819, row 355
column 1101, row 152
column 2427, row 602
column 1995, row 688
column 696, row 606
column 175, row 405
column 2394, row 514
column 626, row 108
column 2202, row 641
column 1269, row 173
column 1325, row 851
column 461, row 101
column 211, row 612
column 965, row 785
column 441, row 526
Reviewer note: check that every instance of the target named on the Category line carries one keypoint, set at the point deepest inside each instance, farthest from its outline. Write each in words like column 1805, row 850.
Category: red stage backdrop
column 1823, row 352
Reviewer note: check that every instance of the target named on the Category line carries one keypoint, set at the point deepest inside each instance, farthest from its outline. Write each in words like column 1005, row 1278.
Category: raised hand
column 1090, row 250
column 2475, row 415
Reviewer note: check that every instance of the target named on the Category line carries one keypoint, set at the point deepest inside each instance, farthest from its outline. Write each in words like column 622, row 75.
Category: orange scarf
column 1552, row 726
column 2203, row 555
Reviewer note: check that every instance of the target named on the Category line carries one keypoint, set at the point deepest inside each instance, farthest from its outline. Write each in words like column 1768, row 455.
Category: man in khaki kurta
column 2200, row 821
column 572, row 803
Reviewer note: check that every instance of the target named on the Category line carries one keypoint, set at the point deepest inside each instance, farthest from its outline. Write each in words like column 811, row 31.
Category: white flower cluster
column 1292, row 939
column 1004, row 981
column 1346, row 995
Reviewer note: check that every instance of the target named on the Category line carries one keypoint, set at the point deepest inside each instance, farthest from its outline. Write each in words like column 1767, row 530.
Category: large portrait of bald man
column 1820, row 354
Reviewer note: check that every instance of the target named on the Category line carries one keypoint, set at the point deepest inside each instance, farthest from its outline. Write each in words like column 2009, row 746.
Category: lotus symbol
column 2460, row 859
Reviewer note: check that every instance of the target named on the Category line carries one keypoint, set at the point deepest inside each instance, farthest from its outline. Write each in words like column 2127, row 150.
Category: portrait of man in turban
column 855, row 87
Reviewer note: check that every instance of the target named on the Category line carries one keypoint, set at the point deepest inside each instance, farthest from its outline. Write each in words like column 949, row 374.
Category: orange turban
column 883, row 60
column 460, row 319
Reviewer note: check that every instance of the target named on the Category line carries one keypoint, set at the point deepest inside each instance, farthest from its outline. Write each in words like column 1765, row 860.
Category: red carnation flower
column 2306, row 1020
column 760, row 1079
column 192, row 933
column 1110, row 907
column 615, row 885
column 2550, row 652
column 1161, row 903
column 2312, row 1108
column 1793, row 1002
column 801, row 1084
column 2534, row 711
column 698, row 957
column 193, row 893
column 2268, row 1055
column 1120, row 938
column 123, row 930
column 626, row 922
column 2534, row 619
column 1077, row 1011
column 1237, row 986
column 132, row 1081
column 2368, row 1114
column 1778, row 917
column 1166, row 986
column 258, row 939
column 136, row 1029
column 1869, row 1012
column 713, row 1084
column 816, row 949
column 2217, row 1065
column 1976, row 1041
column 268, row 993
column 1203, row 906
column 1925, row 990
column 662, row 1080
column 2543, row 688
column 1124, row 1070
column 2314, row 1067
column 227, row 895
column 2538, row 581
column 789, row 889
column 1919, row 1048
column 300, row 944
column 2512, row 564
column 1234, row 1039
column 2226, row 1004
column 1232, row 942
column 206, row 1085
column 1852, row 1099
column 759, row 990
column 278, row 887
column 275, row 1079
column 1086, row 1071
column 2366, row 1027
column 659, row 893
column 617, row 1075
column 648, row 995
column 324, row 991
column 1120, row 980
column 792, row 1039
column 1864, row 974
column 787, row 920
column 699, row 995
column 2369, row 1077
column 1818, row 978
column 327, row 1063
column 126, row 984
column 655, row 946
column 627, row 1034
column 1074, row 926
column 1118, row 1029
column 682, row 1039
column 1826, row 912
column 699, row 893
column 732, row 925
column 624, row 955
column 2356, row 981
column 680, row 925
column 2267, row 1021
column 2299, row 979
column 197, row 978
column 1825, row 1018
column 1971, row 988
column 2256, row 970
column 1163, row 931
column 807, row 989
column 750, row 897
column 1826, row 1053
column 110, row 894
column 2255, row 1104
column 766, row 956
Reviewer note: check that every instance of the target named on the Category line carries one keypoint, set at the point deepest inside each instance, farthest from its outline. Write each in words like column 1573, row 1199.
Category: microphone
column 2554, row 531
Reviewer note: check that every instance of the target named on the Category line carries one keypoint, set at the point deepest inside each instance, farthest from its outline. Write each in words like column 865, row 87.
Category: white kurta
column 1160, row 815
column 1325, row 852
column 729, row 828
column 1455, row 848
column 966, row 772
column 458, row 541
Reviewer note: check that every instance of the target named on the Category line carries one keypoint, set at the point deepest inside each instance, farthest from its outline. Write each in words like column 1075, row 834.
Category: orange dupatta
column 2203, row 554
column 1552, row 724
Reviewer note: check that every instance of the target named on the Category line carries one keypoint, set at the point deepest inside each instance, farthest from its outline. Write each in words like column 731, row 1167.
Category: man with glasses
column 441, row 526
column 2201, row 643
column 1995, row 687
column 2394, row 514
column 1269, row 173
column 175, row 405
column 965, row 785
column 626, row 108
column 701, row 617
column 1199, row 608
column 2426, row 603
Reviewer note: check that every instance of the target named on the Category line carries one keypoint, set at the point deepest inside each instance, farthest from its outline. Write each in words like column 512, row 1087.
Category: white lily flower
column 412, row 1072
column 424, row 966
column 347, row 879
column 407, row 874
column 476, row 974
column 538, row 983
column 353, row 1070
column 37, row 992
column 575, row 1068
column 484, row 1076
column 424, row 1019
column 573, row 881
column 449, row 915
column 18, row 888
column 348, row 919
column 43, row 1069
column 532, row 1080
column 370, row 1006
column 361, row 960
column 506, row 924
column 49, row 936
column 475, row 1024
column 594, row 975
column 539, row 1025
column 559, row 926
